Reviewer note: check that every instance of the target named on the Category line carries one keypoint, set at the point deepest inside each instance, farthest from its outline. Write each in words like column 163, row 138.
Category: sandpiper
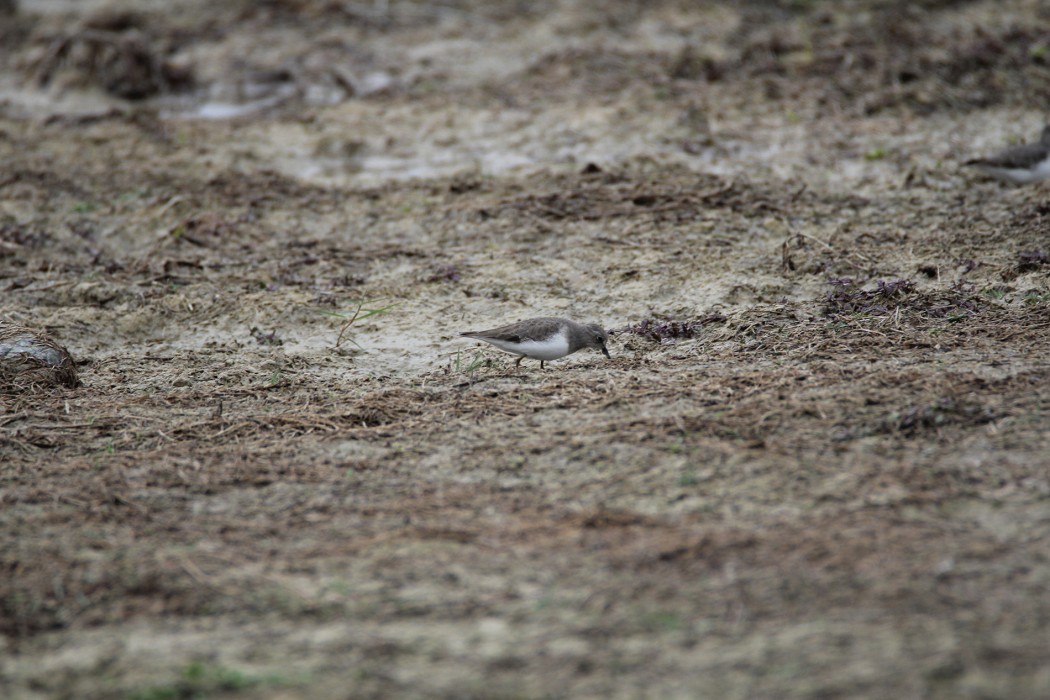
column 544, row 339
column 1020, row 165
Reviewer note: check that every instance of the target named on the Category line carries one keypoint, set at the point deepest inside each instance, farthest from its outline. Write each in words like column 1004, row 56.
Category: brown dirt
column 815, row 467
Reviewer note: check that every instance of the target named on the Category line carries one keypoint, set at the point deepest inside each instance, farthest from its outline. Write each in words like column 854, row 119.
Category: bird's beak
column 605, row 351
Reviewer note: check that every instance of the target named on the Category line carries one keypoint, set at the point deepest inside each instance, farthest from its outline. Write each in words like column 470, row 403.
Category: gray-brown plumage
column 31, row 357
column 546, row 338
column 1020, row 164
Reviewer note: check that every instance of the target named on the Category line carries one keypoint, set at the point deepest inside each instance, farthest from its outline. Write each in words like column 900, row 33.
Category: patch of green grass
column 201, row 680
column 341, row 587
column 460, row 367
column 133, row 194
column 359, row 314
column 84, row 207
column 876, row 153
column 1036, row 297
column 107, row 449
column 160, row 692
column 223, row 678
column 995, row 293
column 662, row 621
column 688, row 477
column 426, row 86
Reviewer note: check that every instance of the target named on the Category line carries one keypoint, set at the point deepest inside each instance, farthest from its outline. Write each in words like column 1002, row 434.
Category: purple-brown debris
column 940, row 413
column 1030, row 260
column 847, row 297
column 444, row 273
column 264, row 338
column 668, row 331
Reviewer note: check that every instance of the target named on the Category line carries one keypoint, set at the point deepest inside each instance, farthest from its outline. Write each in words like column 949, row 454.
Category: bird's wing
column 1019, row 157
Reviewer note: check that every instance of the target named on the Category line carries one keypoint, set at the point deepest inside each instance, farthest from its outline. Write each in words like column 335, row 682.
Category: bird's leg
column 517, row 362
column 541, row 364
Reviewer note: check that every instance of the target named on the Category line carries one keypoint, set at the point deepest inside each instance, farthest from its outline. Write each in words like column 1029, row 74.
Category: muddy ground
column 816, row 465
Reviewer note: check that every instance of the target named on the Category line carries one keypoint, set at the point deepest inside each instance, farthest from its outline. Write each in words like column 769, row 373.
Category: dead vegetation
column 814, row 466
column 31, row 360
column 113, row 51
column 885, row 58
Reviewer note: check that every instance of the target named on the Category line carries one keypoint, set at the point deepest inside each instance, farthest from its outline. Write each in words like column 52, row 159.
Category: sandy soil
column 816, row 465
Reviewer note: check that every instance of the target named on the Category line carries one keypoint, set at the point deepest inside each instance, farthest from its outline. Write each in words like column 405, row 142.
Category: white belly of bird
column 550, row 349
column 1020, row 176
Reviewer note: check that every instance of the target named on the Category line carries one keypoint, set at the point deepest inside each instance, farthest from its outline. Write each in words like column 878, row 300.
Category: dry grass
column 815, row 465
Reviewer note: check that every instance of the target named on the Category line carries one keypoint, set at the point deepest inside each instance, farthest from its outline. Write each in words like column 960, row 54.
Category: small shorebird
column 1020, row 165
column 544, row 339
